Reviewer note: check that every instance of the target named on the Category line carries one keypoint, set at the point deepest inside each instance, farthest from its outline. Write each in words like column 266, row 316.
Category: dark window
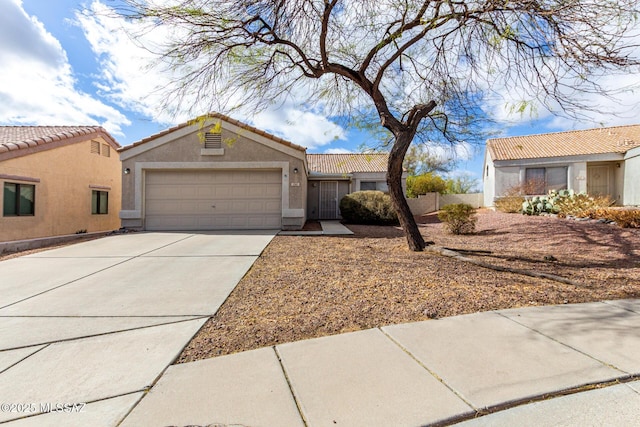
column 19, row 199
column 99, row 202
column 540, row 181
column 367, row 185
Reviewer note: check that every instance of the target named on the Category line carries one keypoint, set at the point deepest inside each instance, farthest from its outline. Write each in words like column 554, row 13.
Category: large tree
column 423, row 69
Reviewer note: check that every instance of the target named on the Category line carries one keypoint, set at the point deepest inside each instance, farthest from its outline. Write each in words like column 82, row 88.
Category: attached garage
column 213, row 173
column 213, row 199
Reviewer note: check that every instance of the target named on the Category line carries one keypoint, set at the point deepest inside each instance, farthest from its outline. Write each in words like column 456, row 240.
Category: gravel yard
column 310, row 286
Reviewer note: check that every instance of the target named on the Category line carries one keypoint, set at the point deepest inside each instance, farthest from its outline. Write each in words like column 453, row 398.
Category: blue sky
column 59, row 67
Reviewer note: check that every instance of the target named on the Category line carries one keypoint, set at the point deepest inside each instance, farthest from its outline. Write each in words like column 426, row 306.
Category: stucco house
column 213, row 173
column 58, row 180
column 602, row 161
column 217, row 173
column 332, row 176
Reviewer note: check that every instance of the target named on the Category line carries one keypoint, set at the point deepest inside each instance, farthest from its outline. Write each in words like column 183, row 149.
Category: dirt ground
column 310, row 286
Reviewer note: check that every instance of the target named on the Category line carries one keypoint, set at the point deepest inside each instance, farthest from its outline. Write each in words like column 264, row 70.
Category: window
column 19, row 199
column 95, row 147
column 542, row 180
column 99, row 202
column 367, row 185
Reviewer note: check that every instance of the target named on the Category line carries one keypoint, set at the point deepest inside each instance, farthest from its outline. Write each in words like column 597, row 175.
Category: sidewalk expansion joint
column 602, row 362
column 293, row 394
column 99, row 334
column 432, row 373
column 24, row 358
column 630, row 310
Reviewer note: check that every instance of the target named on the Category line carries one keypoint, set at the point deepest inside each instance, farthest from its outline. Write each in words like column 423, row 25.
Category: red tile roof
column 619, row 139
column 347, row 163
column 14, row 138
column 221, row 117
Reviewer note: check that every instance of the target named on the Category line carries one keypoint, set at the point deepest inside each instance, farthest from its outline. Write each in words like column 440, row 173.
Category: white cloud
column 128, row 78
column 337, row 151
column 39, row 86
column 304, row 128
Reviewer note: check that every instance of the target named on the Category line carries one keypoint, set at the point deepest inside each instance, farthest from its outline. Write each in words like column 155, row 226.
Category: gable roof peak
column 214, row 115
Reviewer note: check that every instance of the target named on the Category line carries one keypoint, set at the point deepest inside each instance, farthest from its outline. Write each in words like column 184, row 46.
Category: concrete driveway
column 93, row 325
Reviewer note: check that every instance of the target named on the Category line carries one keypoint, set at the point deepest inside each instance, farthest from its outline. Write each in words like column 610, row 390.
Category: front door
column 329, row 200
column 599, row 180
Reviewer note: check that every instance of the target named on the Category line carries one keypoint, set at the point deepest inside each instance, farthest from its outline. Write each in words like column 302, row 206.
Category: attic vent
column 212, row 140
column 95, row 147
column 106, row 150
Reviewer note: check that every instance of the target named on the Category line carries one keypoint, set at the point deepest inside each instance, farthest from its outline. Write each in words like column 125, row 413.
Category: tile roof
column 347, row 163
column 14, row 138
column 619, row 139
column 221, row 117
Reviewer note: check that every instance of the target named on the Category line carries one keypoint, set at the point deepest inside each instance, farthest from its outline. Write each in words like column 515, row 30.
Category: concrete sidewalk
column 435, row 372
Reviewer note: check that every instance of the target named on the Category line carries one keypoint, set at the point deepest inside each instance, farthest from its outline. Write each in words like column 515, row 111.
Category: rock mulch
column 310, row 286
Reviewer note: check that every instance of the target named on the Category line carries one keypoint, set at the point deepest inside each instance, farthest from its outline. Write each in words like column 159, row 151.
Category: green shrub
column 368, row 207
column 539, row 204
column 423, row 184
column 458, row 218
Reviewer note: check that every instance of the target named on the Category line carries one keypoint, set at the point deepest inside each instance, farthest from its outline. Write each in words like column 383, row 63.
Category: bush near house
column 509, row 204
column 458, row 218
column 565, row 203
column 368, row 207
column 626, row 218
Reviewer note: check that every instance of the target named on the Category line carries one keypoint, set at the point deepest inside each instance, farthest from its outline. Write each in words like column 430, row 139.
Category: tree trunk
column 394, row 181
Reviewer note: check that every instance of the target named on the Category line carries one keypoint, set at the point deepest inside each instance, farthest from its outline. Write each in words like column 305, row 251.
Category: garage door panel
column 185, row 200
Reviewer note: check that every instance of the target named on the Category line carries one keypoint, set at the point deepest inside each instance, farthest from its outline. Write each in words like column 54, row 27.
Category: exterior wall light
column 295, row 170
column 127, row 171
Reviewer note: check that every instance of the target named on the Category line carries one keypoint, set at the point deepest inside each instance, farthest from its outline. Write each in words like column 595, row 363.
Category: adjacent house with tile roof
column 58, row 180
column 602, row 161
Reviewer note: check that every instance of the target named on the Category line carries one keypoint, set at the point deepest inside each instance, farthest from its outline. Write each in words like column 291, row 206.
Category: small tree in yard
column 458, row 218
column 426, row 183
column 421, row 68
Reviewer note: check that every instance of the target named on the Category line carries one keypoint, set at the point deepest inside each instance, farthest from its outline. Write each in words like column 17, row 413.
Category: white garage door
column 213, row 200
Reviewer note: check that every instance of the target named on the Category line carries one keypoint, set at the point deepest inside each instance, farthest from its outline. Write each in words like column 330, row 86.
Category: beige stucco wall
column 240, row 149
column 424, row 203
column 631, row 177
column 63, row 193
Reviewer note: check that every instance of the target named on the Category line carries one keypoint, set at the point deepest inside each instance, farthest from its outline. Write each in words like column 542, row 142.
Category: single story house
column 213, row 173
column 332, row 176
column 58, row 180
column 217, row 173
column 602, row 161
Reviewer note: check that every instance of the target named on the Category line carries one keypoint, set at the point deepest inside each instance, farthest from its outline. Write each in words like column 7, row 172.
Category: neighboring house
column 603, row 161
column 213, row 173
column 58, row 180
column 332, row 176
